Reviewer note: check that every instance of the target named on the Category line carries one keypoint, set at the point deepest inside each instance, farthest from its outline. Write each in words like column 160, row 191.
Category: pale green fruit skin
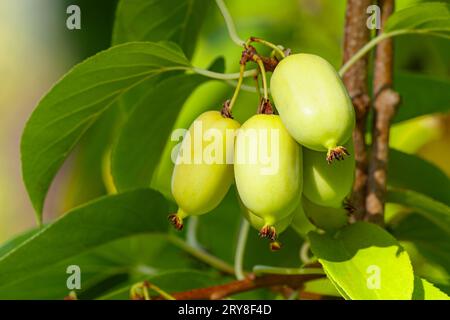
column 269, row 196
column 258, row 223
column 327, row 184
column 312, row 101
column 325, row 218
column 199, row 187
column 300, row 222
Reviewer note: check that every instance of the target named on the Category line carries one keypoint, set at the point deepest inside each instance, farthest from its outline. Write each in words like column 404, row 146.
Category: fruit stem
column 238, row 86
column 255, row 77
column 240, row 250
column 268, row 44
column 260, row 63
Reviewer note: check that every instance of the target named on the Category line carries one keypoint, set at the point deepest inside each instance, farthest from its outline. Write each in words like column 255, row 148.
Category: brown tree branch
column 251, row 282
column 355, row 79
column 385, row 104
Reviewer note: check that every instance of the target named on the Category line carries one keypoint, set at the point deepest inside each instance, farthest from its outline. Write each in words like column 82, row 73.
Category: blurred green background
column 36, row 49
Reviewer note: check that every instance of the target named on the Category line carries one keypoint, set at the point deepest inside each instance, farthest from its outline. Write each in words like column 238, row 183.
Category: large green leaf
column 352, row 258
column 408, row 171
column 421, row 94
column 115, row 264
column 84, row 228
column 77, row 101
column 137, row 150
column 433, row 210
column 423, row 290
column 154, row 20
column 428, row 247
column 431, row 17
column 15, row 241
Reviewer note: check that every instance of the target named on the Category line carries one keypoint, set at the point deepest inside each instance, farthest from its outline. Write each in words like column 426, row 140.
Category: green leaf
column 155, row 20
column 431, row 17
column 136, row 152
column 423, row 290
column 321, row 286
column 357, row 254
column 433, row 210
column 14, row 242
column 115, row 264
column 428, row 246
column 79, row 99
column 84, row 228
column 86, row 181
column 425, row 175
column 421, row 94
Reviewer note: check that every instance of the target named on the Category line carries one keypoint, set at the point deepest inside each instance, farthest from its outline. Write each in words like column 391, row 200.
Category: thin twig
column 385, row 104
column 251, row 282
column 356, row 37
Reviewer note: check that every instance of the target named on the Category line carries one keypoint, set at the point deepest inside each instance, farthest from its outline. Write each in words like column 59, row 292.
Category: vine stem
column 367, row 47
column 202, row 255
column 304, row 249
column 240, row 250
column 263, row 75
column 260, row 269
column 222, row 76
column 191, row 235
column 229, row 23
column 269, row 44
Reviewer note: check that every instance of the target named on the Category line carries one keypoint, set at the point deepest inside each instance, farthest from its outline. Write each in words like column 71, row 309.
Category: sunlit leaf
column 79, row 99
column 365, row 262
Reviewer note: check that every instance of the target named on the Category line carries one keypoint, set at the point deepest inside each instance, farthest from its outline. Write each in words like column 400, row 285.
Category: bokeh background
column 36, row 49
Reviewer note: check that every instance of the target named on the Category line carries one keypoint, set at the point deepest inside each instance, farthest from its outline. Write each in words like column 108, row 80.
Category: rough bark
column 355, row 79
column 385, row 104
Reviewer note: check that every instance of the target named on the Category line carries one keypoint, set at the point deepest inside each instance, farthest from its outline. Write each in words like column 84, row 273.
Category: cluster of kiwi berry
column 314, row 125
